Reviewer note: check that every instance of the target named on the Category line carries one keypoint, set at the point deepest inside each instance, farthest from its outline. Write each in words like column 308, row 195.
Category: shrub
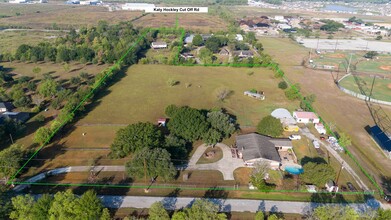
column 172, row 82
column 270, row 126
column 282, row 85
column 40, row 118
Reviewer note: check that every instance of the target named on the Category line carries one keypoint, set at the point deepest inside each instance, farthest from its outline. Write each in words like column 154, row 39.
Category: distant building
column 187, row 55
column 305, row 117
column 206, row 36
column 18, row 1
column 284, row 116
column 189, row 39
column 239, row 37
column 224, row 52
column 159, row 45
column 17, row 116
column 255, row 95
column 243, row 53
column 320, row 128
column 137, row 6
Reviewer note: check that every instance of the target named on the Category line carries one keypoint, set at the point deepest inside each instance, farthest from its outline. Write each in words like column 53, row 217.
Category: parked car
column 295, row 137
column 316, row 144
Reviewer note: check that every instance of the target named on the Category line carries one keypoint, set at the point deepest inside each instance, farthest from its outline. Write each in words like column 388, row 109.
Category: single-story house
column 189, row 39
column 187, row 55
column 224, row 52
column 253, row 148
column 5, row 107
column 320, row 128
column 18, row 116
column 239, row 37
column 305, row 117
column 159, row 45
column 243, row 53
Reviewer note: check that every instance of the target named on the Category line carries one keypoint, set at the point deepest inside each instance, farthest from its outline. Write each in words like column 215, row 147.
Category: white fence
column 360, row 96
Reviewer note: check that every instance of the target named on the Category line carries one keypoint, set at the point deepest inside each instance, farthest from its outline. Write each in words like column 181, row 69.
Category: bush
column 171, row 110
column 282, row 85
column 172, row 82
column 40, row 118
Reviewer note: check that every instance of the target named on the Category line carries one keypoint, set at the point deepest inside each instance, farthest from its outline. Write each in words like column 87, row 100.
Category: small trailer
column 256, row 95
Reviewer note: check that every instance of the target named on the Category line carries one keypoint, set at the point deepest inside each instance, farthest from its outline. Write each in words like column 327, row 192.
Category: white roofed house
column 305, row 117
column 137, row 6
column 159, row 45
column 239, row 37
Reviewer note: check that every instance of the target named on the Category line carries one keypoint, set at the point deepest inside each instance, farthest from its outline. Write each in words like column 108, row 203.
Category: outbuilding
column 305, row 117
column 159, row 45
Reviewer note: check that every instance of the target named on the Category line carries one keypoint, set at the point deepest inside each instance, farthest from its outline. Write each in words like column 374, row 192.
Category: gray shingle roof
column 254, row 146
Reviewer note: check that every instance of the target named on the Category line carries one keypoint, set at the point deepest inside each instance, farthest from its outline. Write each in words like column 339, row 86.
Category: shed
column 224, row 52
column 255, row 95
column 189, row 39
column 158, row 45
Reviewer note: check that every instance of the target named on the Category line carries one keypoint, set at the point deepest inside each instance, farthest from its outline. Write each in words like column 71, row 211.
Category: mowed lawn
column 143, row 94
column 381, row 89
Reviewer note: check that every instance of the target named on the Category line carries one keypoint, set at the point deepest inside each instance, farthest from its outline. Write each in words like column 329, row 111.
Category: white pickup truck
column 316, row 144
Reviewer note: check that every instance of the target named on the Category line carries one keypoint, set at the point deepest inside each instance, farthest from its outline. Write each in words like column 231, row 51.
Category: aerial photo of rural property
column 195, row 110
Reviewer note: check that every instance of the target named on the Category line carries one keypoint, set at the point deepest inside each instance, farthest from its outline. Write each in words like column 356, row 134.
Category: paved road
column 227, row 205
column 307, row 133
column 226, row 165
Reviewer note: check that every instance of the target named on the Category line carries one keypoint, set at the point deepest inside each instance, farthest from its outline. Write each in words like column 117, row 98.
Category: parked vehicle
column 351, row 187
column 316, row 144
column 295, row 137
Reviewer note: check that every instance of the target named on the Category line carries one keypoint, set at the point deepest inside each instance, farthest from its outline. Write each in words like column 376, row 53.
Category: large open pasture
column 345, row 112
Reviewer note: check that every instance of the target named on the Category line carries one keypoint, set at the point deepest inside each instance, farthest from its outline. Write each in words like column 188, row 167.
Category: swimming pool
column 296, row 170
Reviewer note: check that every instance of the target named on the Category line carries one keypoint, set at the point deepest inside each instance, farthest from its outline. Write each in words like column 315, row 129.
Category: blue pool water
column 294, row 170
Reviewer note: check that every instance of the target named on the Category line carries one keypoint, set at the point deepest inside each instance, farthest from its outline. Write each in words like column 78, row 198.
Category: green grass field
column 381, row 89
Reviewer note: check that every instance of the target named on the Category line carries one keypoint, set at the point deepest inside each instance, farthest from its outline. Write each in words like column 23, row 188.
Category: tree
column 75, row 80
column 88, row 206
column 213, row 44
column 383, row 214
column 379, row 37
column 36, row 70
column 154, row 162
column 306, row 102
column 257, row 177
column 222, row 123
column 282, row 85
column 273, row 217
column 176, row 147
column 260, row 215
column 23, row 206
column 84, row 76
column 270, row 126
column 42, row 135
column 317, row 174
column 212, row 137
column 188, row 123
column 135, row 137
column 197, row 40
column 171, row 110
column 10, row 161
column 157, row 212
column 201, row 209
column 293, row 92
column 344, row 140
column 331, row 212
column 370, row 54
column 24, row 101
column 48, row 87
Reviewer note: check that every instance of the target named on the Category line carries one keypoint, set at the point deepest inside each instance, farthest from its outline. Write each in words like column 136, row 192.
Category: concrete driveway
column 226, row 165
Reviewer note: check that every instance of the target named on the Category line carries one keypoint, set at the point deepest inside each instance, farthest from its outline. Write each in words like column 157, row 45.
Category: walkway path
column 226, row 165
column 307, row 133
column 227, row 205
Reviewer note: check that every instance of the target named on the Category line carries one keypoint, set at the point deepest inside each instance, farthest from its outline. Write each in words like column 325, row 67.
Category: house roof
column 19, row 116
column 243, row 53
column 6, row 105
column 309, row 115
column 224, row 51
column 159, row 43
column 255, row 146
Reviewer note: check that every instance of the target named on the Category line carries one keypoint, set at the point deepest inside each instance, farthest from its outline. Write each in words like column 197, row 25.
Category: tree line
column 98, row 44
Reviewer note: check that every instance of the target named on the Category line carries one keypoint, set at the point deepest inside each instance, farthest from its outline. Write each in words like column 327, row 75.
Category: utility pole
column 339, row 173
column 12, row 140
column 350, row 61
column 317, row 45
column 336, row 43
column 145, row 176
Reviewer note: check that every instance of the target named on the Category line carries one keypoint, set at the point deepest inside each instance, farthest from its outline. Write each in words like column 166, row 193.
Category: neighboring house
column 189, row 39
column 5, row 107
column 305, row 117
column 159, row 45
column 206, row 36
column 224, row 52
column 253, row 148
column 320, row 128
column 18, row 116
column 243, row 53
column 239, row 37
column 187, row 55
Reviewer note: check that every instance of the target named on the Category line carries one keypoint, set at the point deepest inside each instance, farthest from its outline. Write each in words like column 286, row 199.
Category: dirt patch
column 386, row 68
column 337, row 55
column 389, row 86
